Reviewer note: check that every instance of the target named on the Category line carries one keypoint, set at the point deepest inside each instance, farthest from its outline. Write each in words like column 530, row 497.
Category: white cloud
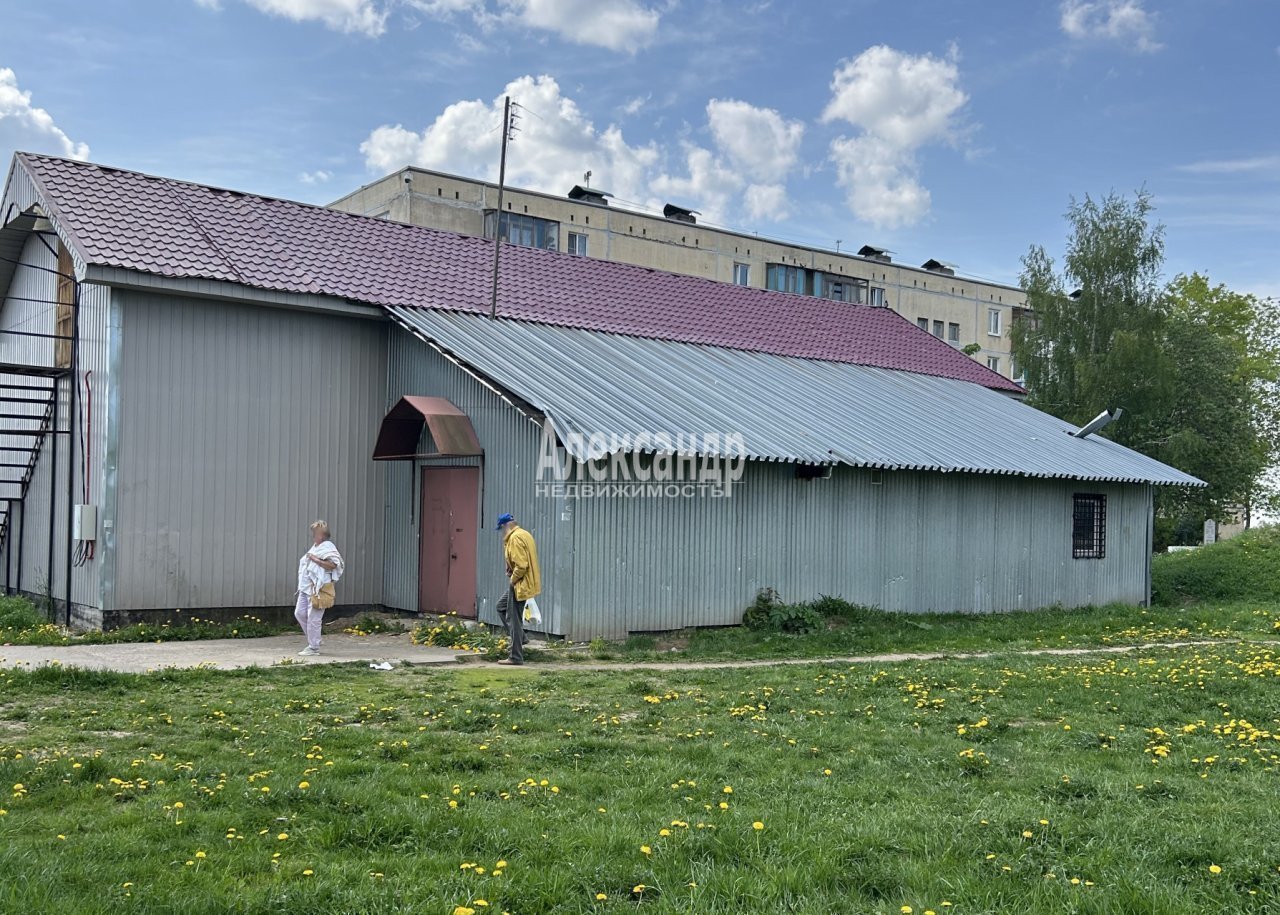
column 900, row 102
column 319, row 176
column 1124, row 21
column 1232, row 166
column 753, row 151
column 26, row 127
column 766, row 201
column 633, row 106
column 365, row 17
column 555, row 145
column 757, row 140
column 709, row 186
column 619, row 25
column 881, row 181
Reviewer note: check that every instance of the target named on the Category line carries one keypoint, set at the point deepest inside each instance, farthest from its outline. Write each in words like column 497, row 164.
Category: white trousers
column 309, row 619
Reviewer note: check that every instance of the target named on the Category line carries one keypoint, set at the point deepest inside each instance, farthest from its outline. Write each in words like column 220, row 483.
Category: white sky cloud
column 743, row 173
column 319, row 176
column 757, row 140
column 1232, row 166
column 620, row 25
column 900, row 102
column 1123, row 21
column 555, row 145
column 26, row 127
column 365, row 17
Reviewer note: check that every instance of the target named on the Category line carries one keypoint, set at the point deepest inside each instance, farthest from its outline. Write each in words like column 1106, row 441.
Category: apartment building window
column 923, row 324
column 1015, row 371
column 526, row 231
column 843, row 289
column 993, row 363
column 993, row 322
column 937, row 329
column 876, row 297
column 742, row 274
column 1088, row 526
column 783, row 278
column 953, row 333
column 578, row 244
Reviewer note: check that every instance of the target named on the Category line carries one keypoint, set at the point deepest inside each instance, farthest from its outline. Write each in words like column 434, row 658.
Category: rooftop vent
column 589, row 195
column 936, row 266
column 884, row 255
column 680, row 214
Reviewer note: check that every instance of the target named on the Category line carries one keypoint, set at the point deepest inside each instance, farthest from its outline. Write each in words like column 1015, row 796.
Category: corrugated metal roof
column 785, row 408
column 117, row 218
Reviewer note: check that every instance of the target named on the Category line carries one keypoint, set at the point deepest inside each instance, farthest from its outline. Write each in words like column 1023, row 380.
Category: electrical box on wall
column 84, row 523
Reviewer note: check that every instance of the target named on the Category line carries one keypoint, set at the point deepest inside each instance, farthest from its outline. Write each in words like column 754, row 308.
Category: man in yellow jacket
column 524, row 580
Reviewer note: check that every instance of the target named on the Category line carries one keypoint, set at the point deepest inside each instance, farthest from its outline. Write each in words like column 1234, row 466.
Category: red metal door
column 447, row 541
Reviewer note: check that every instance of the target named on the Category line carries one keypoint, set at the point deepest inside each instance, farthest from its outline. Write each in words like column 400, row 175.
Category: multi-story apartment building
column 966, row 312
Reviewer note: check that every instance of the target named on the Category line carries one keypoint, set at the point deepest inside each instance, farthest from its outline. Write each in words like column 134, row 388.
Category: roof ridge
column 187, row 232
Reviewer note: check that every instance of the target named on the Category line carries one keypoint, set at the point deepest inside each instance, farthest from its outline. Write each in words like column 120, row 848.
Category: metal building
column 234, row 366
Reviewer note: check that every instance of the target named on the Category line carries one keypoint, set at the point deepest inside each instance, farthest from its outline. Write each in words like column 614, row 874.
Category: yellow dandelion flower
column 1214, row 869
column 601, row 897
column 757, row 826
column 906, row 910
column 1027, row 833
column 463, row 910
column 645, row 850
column 308, row 872
column 201, row 854
column 304, row 785
column 728, row 789
column 638, row 889
column 283, row 836
column 500, row 865
column 664, row 832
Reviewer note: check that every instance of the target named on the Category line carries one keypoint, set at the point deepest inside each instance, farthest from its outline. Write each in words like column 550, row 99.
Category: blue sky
column 935, row 128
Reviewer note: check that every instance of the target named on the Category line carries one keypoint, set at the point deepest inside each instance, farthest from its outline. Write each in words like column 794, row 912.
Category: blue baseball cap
column 505, row 518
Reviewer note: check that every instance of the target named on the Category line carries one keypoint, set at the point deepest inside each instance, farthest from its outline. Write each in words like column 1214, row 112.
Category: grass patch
column 1132, row 784
column 1244, row 568
column 856, row 630
column 450, row 632
column 21, row 623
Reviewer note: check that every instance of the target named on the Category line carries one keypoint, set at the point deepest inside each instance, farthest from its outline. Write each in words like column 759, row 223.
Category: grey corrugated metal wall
column 240, row 425
column 20, row 312
column 918, row 541
column 510, row 441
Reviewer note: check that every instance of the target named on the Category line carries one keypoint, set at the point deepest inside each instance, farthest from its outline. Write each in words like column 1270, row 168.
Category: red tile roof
column 170, row 228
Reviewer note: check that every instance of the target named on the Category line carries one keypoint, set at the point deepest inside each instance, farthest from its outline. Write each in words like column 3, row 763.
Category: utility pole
column 497, row 223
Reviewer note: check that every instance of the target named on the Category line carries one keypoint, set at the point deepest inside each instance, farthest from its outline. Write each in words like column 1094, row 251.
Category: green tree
column 1196, row 367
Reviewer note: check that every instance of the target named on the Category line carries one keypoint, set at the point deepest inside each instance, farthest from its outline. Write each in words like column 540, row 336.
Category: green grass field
column 865, row 631
column 1137, row 783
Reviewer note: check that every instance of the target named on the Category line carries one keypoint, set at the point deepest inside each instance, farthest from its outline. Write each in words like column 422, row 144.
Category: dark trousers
column 514, row 621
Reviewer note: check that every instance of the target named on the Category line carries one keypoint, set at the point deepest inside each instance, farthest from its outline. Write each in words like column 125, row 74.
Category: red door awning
column 451, row 430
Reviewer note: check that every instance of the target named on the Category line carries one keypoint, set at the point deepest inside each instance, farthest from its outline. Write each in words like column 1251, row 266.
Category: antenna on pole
column 508, row 129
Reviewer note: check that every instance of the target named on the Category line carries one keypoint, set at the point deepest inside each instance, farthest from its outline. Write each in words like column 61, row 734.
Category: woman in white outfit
column 318, row 569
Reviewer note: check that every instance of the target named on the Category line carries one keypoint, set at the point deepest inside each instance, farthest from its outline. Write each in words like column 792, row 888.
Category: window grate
column 1088, row 526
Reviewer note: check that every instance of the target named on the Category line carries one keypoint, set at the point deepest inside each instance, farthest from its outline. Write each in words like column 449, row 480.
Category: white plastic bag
column 531, row 612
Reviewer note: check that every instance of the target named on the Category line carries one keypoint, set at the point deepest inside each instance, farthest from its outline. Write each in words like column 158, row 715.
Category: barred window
column 1088, row 526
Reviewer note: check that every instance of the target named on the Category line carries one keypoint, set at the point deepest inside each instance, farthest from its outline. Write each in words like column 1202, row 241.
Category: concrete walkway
column 228, row 654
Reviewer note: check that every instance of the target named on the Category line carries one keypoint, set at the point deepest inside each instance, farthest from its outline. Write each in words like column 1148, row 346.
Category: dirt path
column 229, row 654
column 891, row 658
